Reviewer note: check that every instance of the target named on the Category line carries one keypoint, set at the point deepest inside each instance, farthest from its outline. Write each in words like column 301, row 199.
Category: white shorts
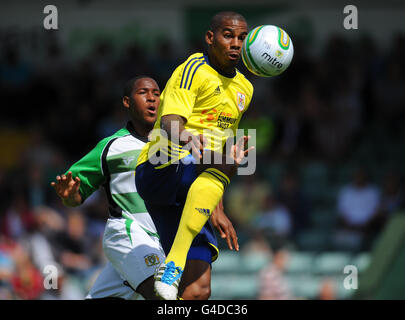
column 132, row 255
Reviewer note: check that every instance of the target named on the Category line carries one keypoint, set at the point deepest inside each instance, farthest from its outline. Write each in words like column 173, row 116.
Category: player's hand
column 225, row 227
column 238, row 152
column 194, row 143
column 67, row 188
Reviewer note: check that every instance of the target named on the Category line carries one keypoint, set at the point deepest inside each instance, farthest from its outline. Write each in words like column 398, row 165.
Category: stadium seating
column 314, row 239
column 235, row 275
column 304, row 286
column 331, row 263
column 361, row 261
column 300, row 262
column 254, row 262
column 234, row 286
column 226, row 262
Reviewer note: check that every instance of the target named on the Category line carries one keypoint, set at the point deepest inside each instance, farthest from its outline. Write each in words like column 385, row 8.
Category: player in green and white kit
column 131, row 243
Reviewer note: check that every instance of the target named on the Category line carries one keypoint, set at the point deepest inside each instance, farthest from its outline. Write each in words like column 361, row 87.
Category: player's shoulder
column 117, row 134
column 123, row 132
column 123, row 141
column 244, row 81
column 193, row 70
column 195, row 56
column 195, row 60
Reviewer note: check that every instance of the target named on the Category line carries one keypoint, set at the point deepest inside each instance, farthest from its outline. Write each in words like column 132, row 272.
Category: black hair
column 129, row 85
column 216, row 21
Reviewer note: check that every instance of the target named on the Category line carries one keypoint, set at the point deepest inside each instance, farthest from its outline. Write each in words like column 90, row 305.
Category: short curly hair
column 216, row 21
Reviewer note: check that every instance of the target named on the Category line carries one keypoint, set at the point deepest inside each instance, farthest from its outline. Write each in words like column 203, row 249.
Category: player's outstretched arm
column 67, row 188
column 224, row 226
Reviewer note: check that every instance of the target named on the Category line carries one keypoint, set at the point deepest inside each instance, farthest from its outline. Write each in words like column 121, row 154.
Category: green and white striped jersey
column 111, row 164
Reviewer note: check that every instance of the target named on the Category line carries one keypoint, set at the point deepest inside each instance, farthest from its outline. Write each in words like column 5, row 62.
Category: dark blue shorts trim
column 201, row 252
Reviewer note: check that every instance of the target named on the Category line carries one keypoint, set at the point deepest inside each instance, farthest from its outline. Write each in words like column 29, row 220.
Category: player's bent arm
column 173, row 124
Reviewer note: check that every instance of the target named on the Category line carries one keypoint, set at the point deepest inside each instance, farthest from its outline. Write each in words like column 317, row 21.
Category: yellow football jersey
column 208, row 100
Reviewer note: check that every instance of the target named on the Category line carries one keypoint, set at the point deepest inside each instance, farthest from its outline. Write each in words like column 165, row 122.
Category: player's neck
column 140, row 129
column 228, row 72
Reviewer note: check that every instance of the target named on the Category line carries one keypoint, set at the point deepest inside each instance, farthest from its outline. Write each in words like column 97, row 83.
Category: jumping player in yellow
column 205, row 96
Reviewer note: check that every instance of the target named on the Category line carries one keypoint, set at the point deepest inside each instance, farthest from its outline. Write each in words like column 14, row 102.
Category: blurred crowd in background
column 329, row 152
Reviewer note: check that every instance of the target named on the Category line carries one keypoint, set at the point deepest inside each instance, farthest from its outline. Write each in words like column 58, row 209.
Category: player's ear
column 125, row 101
column 209, row 37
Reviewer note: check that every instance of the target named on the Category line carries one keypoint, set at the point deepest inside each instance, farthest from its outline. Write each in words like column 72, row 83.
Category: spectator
column 293, row 198
column 18, row 217
column 257, row 244
column 357, row 206
column 244, row 199
column 14, row 73
column 27, row 281
column 272, row 283
column 72, row 246
column 390, row 201
column 390, row 96
column 38, row 242
column 339, row 121
column 36, row 190
column 327, row 290
column 274, row 219
column 6, row 273
column 391, row 194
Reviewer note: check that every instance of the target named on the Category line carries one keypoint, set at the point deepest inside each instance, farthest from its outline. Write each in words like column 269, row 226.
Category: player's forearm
column 173, row 125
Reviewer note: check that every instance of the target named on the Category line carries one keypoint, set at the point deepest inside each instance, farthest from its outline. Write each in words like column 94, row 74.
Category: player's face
column 144, row 101
column 226, row 42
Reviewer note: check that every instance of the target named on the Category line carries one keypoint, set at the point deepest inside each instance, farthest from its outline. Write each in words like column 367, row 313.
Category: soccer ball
column 267, row 51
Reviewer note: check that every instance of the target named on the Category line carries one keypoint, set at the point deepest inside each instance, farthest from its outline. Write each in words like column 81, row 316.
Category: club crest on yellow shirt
column 241, row 100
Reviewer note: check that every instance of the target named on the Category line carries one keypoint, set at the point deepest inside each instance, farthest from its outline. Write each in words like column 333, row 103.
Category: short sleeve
column 89, row 170
column 179, row 101
column 182, row 89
